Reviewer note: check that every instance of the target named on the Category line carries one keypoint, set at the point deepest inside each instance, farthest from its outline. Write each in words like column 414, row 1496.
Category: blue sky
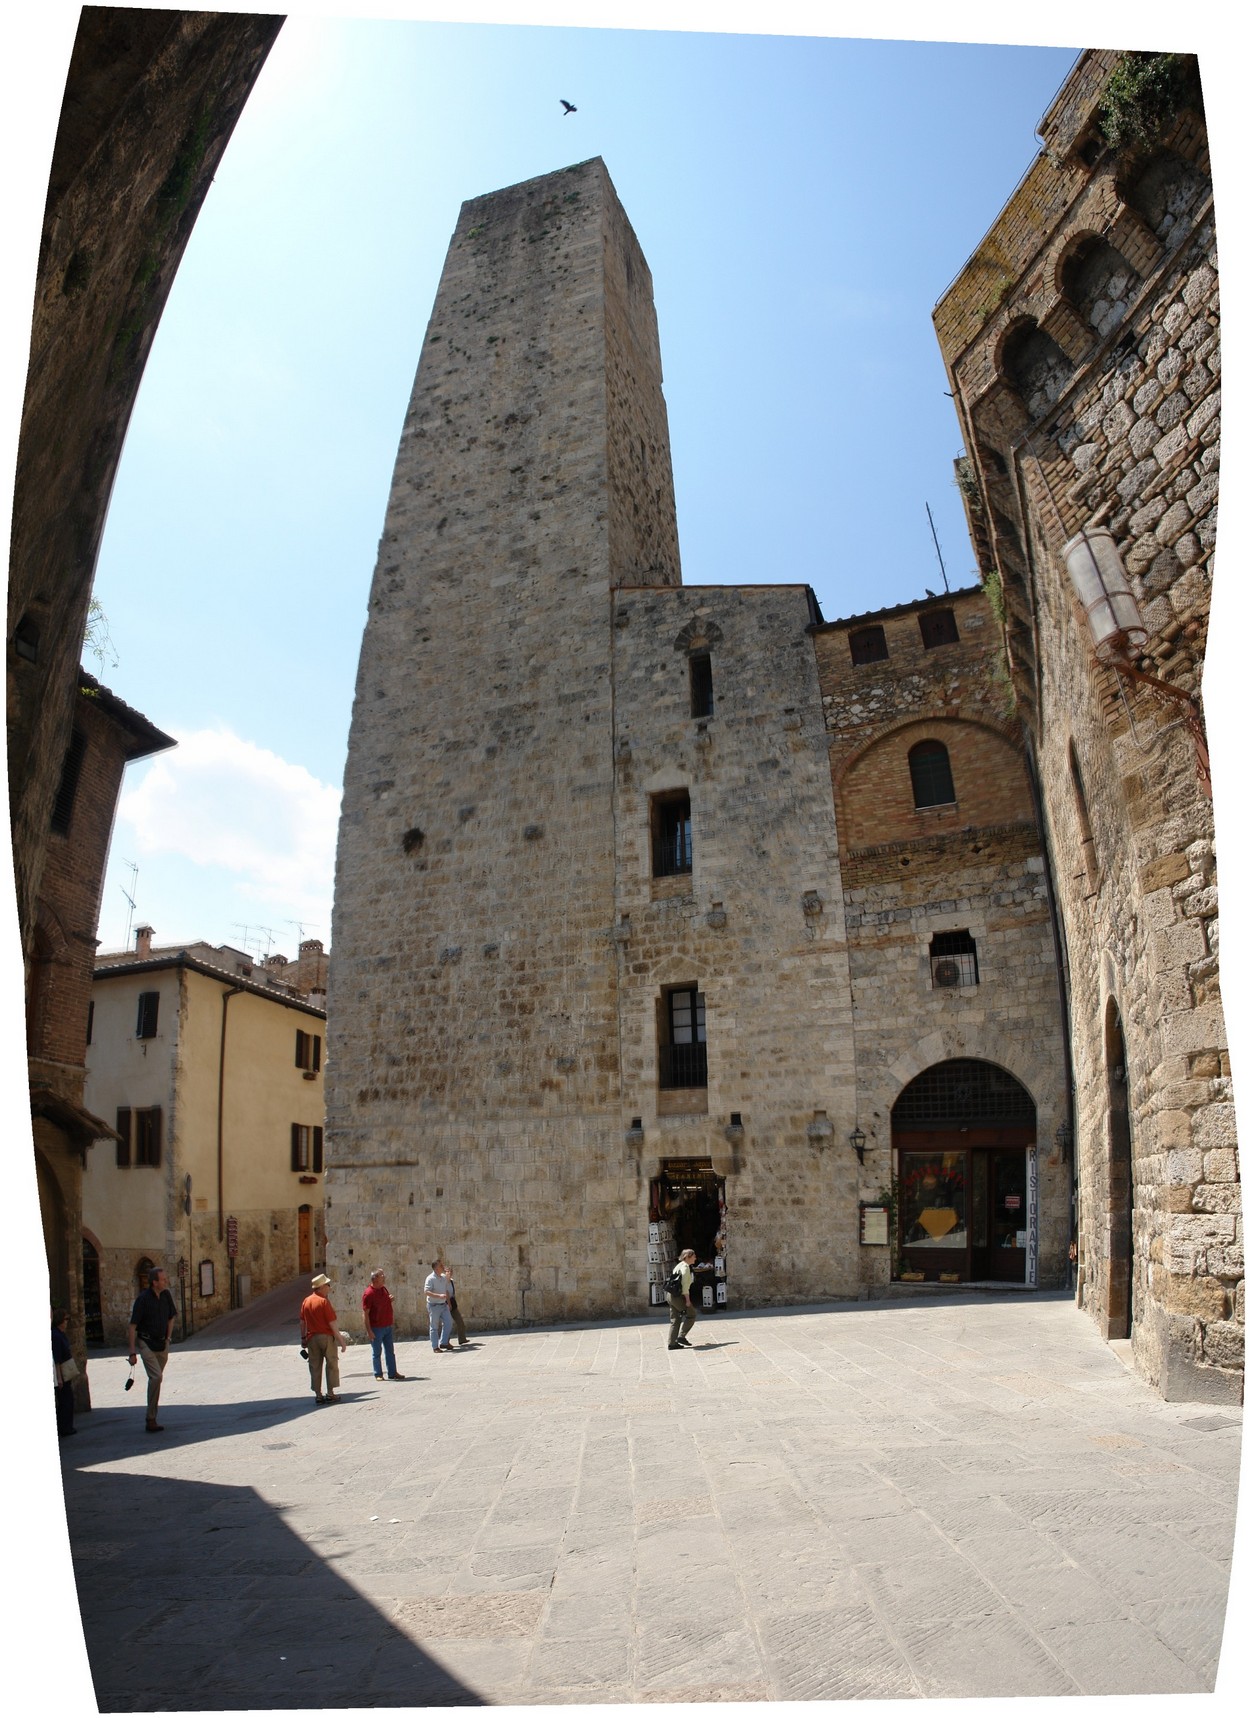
column 802, row 203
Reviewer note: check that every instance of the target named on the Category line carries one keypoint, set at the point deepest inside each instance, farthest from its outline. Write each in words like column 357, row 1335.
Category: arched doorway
column 1118, row 1311
column 965, row 1142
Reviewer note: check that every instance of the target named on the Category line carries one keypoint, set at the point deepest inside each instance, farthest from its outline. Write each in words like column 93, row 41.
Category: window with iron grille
column 308, row 1051
column 953, row 960
column 683, row 1049
column 148, row 1136
column 868, row 645
column 931, row 779
column 937, row 626
column 149, row 1008
column 671, row 851
column 701, row 684
column 966, row 1092
column 71, row 769
column 307, row 1146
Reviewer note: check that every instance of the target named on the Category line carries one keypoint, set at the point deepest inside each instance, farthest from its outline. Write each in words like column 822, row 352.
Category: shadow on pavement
column 210, row 1602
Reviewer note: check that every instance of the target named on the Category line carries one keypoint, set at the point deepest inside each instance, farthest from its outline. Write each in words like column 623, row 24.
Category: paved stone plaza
column 942, row 1498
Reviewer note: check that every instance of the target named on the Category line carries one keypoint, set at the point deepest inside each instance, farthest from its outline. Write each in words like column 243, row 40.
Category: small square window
column 868, row 645
column 937, row 626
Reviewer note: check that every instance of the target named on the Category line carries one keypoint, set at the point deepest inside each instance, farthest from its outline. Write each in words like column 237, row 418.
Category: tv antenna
column 130, row 896
column 941, row 563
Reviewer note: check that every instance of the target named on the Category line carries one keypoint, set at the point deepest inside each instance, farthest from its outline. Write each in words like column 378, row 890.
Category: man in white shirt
column 681, row 1310
column 437, row 1296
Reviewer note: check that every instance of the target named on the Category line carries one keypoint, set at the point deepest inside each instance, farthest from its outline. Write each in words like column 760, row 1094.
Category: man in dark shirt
column 151, row 1325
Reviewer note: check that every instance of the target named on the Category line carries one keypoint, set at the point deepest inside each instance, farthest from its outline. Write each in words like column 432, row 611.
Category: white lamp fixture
column 1102, row 588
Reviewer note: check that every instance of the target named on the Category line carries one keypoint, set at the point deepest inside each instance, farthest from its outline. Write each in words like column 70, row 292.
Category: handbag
column 69, row 1370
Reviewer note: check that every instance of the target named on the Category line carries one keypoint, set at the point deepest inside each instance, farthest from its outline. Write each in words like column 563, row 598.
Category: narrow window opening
column 683, row 1045
column 149, row 1009
column 71, row 769
column 671, row 851
column 26, row 639
column 701, row 684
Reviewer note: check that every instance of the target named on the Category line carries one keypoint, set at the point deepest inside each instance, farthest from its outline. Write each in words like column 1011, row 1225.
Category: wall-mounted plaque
column 874, row 1225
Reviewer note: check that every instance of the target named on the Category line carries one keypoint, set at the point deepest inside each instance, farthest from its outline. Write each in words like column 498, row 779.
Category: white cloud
column 224, row 803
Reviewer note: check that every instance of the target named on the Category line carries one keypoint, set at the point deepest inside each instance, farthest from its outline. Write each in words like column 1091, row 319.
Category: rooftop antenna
column 134, row 885
column 941, row 563
column 299, row 926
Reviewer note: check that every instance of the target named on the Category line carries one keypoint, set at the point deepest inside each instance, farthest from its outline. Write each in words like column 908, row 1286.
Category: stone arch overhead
column 49, row 923
column 1043, row 1082
column 698, row 634
column 96, row 1242
column 1003, row 729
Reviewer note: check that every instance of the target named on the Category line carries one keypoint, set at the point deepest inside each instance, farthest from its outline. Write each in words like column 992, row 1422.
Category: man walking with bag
column 151, row 1326
column 681, row 1310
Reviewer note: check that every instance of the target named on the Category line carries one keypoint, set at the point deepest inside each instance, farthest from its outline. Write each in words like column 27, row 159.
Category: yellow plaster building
column 210, row 1067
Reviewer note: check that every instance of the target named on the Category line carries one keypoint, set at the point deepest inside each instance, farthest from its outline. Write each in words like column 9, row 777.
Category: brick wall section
column 1131, row 441
column 908, row 875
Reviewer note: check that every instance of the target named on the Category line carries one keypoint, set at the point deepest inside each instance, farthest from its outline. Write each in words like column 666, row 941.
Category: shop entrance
column 964, row 1134
column 687, row 1209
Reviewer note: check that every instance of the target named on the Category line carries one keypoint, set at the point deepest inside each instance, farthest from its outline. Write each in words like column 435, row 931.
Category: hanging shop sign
column 1031, row 1227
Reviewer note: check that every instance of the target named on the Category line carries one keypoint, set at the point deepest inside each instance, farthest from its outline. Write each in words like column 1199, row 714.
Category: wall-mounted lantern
column 1115, row 622
column 859, row 1140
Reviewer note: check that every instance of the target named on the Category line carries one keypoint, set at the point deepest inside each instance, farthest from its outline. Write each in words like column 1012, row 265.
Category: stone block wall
column 1129, row 440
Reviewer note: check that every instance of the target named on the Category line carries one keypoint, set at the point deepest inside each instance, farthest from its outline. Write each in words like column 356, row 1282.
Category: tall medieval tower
column 474, row 1045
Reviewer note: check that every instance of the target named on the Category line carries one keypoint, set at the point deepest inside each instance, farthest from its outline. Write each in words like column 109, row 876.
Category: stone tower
column 473, row 1047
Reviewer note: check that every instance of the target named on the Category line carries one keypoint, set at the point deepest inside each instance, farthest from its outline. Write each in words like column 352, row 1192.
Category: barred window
column 683, row 1050
column 671, row 851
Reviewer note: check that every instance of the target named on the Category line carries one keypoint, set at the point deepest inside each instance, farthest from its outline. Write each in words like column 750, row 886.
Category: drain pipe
column 236, row 990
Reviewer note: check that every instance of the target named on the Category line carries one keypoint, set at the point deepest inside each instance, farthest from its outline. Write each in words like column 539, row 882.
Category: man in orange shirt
column 320, row 1335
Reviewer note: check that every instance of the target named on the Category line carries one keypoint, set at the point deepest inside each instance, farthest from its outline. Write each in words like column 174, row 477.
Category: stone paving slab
column 960, row 1498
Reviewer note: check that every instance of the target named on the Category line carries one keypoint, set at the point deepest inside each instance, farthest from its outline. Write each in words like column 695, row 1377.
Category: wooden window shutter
column 149, row 1008
column 154, row 1135
column 316, row 1056
column 295, row 1151
column 123, row 1144
column 318, row 1139
column 301, row 1052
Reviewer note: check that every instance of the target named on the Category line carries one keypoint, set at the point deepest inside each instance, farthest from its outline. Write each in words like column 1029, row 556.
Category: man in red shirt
column 320, row 1334
column 379, row 1312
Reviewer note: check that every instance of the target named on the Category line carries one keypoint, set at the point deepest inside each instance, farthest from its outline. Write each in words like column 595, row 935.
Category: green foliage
column 992, row 585
column 966, row 483
column 1144, row 95
column 97, row 639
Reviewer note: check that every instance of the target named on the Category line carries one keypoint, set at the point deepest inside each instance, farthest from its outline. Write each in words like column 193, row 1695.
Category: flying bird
column 567, row 106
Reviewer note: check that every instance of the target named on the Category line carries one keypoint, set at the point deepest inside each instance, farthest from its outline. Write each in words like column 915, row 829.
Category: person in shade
column 461, row 1334
column 681, row 1310
column 437, row 1300
column 64, row 1368
column 379, row 1311
column 321, row 1336
column 151, row 1326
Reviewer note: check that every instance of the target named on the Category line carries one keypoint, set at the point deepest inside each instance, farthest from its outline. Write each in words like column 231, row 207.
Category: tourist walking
column 151, row 1326
column 681, row 1308
column 321, row 1337
column 438, row 1302
column 379, row 1311
column 64, row 1370
column 462, row 1336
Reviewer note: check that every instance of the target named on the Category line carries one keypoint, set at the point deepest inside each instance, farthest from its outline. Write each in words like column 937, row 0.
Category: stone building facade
column 608, row 967
column 105, row 736
column 1082, row 342
column 210, row 1071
